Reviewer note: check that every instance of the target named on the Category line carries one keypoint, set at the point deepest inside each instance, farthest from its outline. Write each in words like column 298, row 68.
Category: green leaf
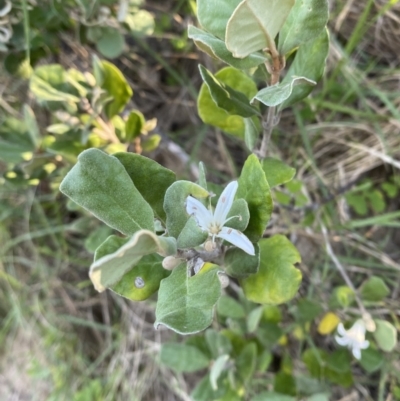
column 210, row 113
column 134, row 125
column 141, row 22
column 277, row 172
column 214, row 15
column 309, row 62
column 15, row 141
column 32, row 125
column 254, row 318
column 143, row 280
column 218, row 343
column 385, row 335
column 204, row 392
column 217, row 368
column 251, row 133
column 216, row 48
column 229, row 307
column 183, row 358
column 150, row 178
column 254, row 25
column 391, row 189
column 342, row 296
column 225, row 97
column 185, row 304
column 307, row 310
column 276, row 94
column 376, row 200
column 111, row 44
column 246, row 362
column 175, row 201
column 254, row 189
column 110, row 78
column 285, row 383
column 191, row 235
column 117, row 256
column 240, row 264
column 277, row 280
column 371, row 360
column 240, row 210
column 272, row 396
column 49, row 83
column 97, row 237
column 306, row 21
column 100, row 184
column 374, row 289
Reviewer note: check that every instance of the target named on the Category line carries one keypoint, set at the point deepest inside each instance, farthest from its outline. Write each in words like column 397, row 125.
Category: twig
column 370, row 325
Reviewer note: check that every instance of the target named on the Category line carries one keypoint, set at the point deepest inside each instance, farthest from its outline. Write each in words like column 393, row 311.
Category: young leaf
column 374, row 289
column 251, row 133
column 306, row 21
column 246, row 362
column 216, row 48
column 32, row 125
column 277, row 172
column 15, row 141
column 143, row 280
column 183, row 358
column 227, row 98
column 371, row 359
column 229, row 307
column 108, row 268
column 385, row 335
column 254, row 189
column 134, row 125
column 238, row 263
column 216, row 370
column 185, row 304
column 150, row 178
column 210, row 113
column 100, row 184
column 254, row 25
column 110, row 78
column 277, row 280
column 276, row 94
column 49, row 84
column 213, row 15
column 175, row 201
column 309, row 62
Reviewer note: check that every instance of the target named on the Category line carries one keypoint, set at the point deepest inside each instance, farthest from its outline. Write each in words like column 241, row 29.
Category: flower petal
column 357, row 353
column 342, row 340
column 225, row 201
column 364, row 344
column 341, row 330
column 202, row 215
column 237, row 238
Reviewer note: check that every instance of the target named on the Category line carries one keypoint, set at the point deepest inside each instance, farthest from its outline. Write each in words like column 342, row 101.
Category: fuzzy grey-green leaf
column 100, row 184
column 216, row 48
column 150, row 178
column 175, row 204
column 305, row 22
column 108, row 268
column 227, row 98
column 185, row 304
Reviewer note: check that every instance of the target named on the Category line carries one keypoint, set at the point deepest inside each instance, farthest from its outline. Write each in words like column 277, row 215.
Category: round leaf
column 277, row 280
column 111, row 44
column 385, row 335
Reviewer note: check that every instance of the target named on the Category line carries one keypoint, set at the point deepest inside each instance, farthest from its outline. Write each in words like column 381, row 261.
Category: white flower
column 354, row 338
column 214, row 223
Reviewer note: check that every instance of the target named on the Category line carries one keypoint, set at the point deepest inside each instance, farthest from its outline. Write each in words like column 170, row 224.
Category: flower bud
column 170, row 262
column 209, row 246
column 224, row 280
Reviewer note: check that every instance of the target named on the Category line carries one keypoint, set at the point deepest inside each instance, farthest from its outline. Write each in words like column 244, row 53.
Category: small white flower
column 354, row 338
column 214, row 223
